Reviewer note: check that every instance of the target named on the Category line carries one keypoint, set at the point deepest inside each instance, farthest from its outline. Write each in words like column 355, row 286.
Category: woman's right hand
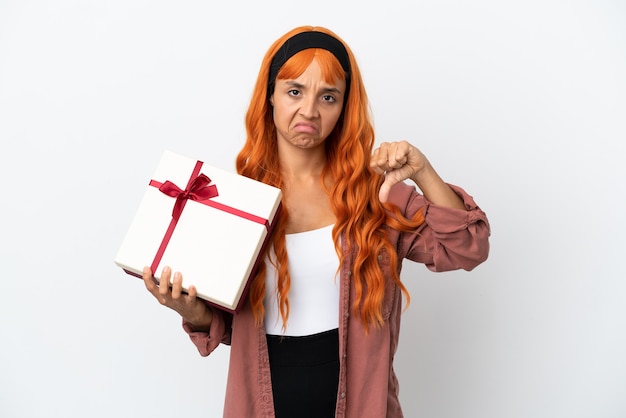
column 188, row 305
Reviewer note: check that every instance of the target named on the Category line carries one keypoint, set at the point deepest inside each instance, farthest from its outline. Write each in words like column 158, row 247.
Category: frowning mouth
column 307, row 128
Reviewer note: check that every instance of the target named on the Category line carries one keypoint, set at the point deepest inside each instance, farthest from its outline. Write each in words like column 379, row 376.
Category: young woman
column 319, row 329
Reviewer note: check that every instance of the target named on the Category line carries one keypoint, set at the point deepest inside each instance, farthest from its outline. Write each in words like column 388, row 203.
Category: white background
column 521, row 103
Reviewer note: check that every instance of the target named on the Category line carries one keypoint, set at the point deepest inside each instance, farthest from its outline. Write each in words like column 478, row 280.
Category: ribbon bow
column 199, row 189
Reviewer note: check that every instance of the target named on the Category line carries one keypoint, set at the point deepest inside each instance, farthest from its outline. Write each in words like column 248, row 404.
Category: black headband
column 307, row 40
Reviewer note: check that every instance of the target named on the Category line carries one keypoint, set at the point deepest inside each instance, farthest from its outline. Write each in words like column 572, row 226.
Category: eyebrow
column 301, row 86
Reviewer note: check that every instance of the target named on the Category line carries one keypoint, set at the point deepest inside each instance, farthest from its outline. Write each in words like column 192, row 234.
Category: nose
column 308, row 107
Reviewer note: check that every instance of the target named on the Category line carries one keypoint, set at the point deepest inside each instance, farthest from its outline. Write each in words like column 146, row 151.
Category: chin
column 307, row 142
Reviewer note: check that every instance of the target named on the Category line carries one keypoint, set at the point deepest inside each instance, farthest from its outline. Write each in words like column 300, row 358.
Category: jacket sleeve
column 219, row 333
column 449, row 239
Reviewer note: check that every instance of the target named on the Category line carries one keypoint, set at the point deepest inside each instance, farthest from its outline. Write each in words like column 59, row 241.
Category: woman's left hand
column 398, row 161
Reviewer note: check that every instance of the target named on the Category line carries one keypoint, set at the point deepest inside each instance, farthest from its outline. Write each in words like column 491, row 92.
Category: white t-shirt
column 314, row 292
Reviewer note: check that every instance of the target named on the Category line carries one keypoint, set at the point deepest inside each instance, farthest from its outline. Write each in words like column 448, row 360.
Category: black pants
column 305, row 374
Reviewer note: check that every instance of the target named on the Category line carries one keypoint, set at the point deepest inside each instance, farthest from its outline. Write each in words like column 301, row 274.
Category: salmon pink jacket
column 449, row 239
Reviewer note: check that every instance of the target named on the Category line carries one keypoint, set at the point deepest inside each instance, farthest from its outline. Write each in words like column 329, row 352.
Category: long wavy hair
column 361, row 219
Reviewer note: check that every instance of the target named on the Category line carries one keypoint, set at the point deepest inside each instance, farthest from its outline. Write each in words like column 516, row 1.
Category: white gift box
column 214, row 241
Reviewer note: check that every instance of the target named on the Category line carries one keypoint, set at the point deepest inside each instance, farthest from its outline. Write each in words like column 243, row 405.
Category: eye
column 293, row 92
column 329, row 98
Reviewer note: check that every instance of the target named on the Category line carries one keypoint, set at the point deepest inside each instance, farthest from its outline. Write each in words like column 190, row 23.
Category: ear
column 272, row 100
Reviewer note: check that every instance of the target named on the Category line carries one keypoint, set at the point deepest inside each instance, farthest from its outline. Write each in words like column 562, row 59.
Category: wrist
column 201, row 323
column 425, row 177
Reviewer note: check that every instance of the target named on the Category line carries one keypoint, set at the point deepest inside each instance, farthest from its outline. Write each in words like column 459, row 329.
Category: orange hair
column 361, row 218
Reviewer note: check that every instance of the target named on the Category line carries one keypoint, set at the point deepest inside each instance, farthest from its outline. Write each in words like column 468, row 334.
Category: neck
column 299, row 164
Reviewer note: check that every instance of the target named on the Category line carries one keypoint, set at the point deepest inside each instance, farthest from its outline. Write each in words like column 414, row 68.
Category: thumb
column 385, row 188
column 392, row 178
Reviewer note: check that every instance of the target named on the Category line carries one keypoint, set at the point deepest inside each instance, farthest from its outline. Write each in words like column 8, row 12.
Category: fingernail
column 166, row 269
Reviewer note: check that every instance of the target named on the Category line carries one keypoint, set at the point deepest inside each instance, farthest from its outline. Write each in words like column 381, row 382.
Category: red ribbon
column 200, row 190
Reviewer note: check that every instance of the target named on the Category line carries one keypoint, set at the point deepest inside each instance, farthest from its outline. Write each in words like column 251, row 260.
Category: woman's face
column 307, row 108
